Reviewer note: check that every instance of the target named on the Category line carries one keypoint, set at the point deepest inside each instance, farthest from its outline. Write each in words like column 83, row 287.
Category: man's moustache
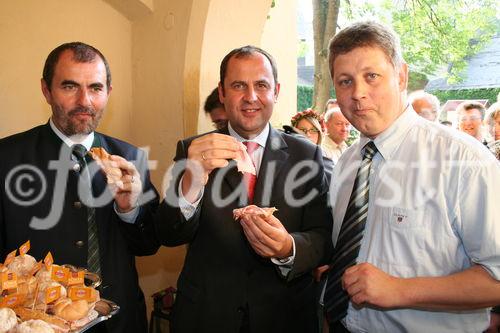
column 89, row 111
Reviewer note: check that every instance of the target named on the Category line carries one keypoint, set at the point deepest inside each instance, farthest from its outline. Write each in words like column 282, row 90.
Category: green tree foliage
column 435, row 33
column 489, row 94
column 304, row 97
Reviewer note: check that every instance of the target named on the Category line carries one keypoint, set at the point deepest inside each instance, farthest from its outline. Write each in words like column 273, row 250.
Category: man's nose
column 84, row 98
column 250, row 94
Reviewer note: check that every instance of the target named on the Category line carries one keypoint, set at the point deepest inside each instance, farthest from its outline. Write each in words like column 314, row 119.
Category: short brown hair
column 212, row 101
column 81, row 53
column 464, row 106
column 362, row 34
column 246, row 51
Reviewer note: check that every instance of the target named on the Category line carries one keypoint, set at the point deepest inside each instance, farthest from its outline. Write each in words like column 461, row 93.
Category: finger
column 359, row 298
column 260, row 248
column 352, row 269
column 212, row 164
column 215, row 141
column 126, row 167
column 262, row 235
column 218, row 154
column 273, row 233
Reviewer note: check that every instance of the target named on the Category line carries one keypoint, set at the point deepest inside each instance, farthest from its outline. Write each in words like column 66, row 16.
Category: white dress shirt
column 87, row 140
column 334, row 150
column 433, row 211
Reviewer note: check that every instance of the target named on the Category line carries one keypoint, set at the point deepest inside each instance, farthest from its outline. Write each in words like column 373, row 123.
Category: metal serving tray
column 105, row 309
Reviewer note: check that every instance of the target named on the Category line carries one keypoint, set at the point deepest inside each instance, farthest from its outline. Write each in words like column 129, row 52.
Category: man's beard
column 71, row 126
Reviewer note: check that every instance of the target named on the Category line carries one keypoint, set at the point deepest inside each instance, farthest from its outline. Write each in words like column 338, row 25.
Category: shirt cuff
column 285, row 264
column 128, row 217
column 187, row 208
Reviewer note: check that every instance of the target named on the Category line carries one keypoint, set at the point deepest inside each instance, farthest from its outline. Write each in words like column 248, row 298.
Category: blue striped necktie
column 336, row 300
column 93, row 264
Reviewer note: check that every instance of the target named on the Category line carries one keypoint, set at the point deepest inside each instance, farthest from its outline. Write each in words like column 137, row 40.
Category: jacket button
column 240, row 309
column 77, row 204
column 79, row 244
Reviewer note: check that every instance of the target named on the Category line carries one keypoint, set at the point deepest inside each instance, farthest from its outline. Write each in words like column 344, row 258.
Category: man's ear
column 220, row 90
column 46, row 91
column 403, row 76
column 109, row 90
column 276, row 92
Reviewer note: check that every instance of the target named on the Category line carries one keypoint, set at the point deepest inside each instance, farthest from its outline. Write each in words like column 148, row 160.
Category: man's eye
column 69, row 87
column 373, row 76
column 345, row 82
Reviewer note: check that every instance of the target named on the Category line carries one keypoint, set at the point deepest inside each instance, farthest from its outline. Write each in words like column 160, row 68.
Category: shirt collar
column 261, row 139
column 85, row 140
column 389, row 140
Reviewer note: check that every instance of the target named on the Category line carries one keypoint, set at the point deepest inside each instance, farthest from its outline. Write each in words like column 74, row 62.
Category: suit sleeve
column 313, row 243
column 170, row 224
column 140, row 235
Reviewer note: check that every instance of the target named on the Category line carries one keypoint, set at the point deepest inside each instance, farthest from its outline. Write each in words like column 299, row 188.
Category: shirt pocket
column 399, row 218
column 397, row 240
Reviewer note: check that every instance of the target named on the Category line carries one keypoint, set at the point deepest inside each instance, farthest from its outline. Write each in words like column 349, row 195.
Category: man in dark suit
column 41, row 202
column 254, row 274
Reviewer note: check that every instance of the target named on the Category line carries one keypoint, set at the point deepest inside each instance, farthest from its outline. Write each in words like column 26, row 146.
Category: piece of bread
column 8, row 319
column 33, row 326
column 71, row 310
column 27, row 314
column 253, row 210
column 22, row 265
column 43, row 275
column 42, row 287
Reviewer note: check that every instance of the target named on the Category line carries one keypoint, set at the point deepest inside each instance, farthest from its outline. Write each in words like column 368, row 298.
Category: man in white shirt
column 338, row 128
column 250, row 275
column 427, row 258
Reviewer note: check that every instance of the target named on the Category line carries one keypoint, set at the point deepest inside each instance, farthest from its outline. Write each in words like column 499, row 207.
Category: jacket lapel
column 273, row 160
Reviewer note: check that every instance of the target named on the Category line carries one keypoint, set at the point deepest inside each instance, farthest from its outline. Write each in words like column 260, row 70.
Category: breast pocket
column 398, row 218
column 398, row 239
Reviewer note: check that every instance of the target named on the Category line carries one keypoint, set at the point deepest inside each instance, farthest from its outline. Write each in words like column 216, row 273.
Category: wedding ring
column 203, row 156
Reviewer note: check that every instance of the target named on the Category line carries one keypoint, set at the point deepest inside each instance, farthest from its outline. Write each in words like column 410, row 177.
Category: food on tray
column 27, row 314
column 69, row 310
column 8, row 319
column 34, row 292
column 102, row 157
column 253, row 210
column 22, row 265
column 33, row 326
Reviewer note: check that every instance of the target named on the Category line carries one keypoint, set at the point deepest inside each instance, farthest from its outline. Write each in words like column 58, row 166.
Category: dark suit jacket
column 223, row 279
column 119, row 242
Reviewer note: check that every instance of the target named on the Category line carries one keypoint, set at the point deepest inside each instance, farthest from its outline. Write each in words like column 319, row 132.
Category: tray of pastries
column 43, row 297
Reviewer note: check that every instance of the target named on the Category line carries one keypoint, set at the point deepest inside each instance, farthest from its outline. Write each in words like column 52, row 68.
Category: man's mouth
column 250, row 110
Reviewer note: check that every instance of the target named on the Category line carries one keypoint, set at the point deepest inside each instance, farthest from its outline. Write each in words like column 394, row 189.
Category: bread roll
column 27, row 314
column 43, row 275
column 22, row 265
column 44, row 285
column 69, row 310
column 33, row 326
column 8, row 319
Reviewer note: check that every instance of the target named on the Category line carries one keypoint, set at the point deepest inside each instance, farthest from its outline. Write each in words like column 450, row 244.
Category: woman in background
column 492, row 122
column 312, row 126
